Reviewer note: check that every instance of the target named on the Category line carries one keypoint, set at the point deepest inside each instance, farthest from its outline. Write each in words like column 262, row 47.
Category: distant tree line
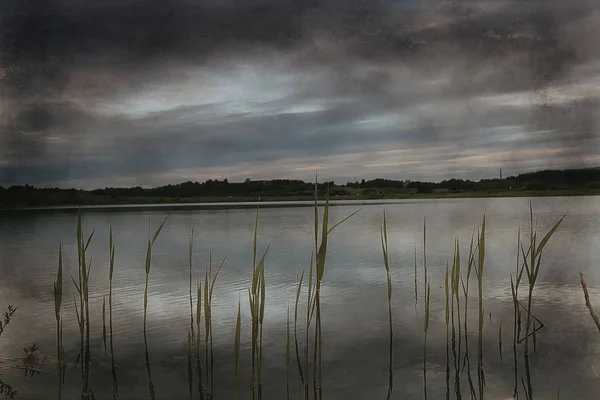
column 27, row 195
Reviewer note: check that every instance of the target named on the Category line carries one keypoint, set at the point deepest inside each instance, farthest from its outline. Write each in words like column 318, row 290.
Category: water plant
column 83, row 312
column 386, row 263
column 209, row 286
column 256, row 298
column 236, row 348
column 148, row 264
column 58, row 297
column 426, row 331
column 532, row 268
column 479, row 272
column 111, row 270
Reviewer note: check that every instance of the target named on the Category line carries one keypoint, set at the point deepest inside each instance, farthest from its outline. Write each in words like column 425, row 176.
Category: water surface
column 355, row 327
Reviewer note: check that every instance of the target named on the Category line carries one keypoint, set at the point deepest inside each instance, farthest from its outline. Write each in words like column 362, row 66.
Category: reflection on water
column 353, row 296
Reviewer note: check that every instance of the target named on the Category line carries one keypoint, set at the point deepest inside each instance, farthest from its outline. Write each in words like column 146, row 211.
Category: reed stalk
column 532, row 269
column 198, row 339
column 58, row 296
column 190, row 352
column 111, row 269
column 256, row 298
column 425, row 276
column 455, row 282
column 83, row 312
column 236, row 349
column 191, row 333
column 479, row 272
column 296, row 344
column 148, row 264
column 209, row 286
column 426, row 330
column 104, row 322
column 190, row 262
column 465, row 286
column 321, row 255
column 514, row 286
column 447, row 320
column 287, row 354
column 386, row 262
column 500, row 343
column 309, row 314
column 416, row 285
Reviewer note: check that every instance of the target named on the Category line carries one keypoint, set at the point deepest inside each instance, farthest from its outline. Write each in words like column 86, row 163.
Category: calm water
column 353, row 296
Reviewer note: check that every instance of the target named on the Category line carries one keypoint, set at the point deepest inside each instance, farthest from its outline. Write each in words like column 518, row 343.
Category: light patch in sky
column 246, row 89
column 382, row 121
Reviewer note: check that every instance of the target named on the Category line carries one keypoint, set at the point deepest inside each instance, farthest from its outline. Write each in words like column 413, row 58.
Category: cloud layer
column 139, row 92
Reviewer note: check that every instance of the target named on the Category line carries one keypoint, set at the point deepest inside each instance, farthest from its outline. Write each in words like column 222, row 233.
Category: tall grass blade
column 236, row 349
column 425, row 276
column 198, row 338
column 148, row 264
column 516, row 313
column 58, row 294
column 500, row 342
column 111, row 270
column 426, row 330
column 309, row 310
column 104, row 322
column 447, row 319
column 480, row 270
column 297, row 346
column 456, row 278
column 343, row 220
column 287, row 354
column 465, row 285
column 190, row 373
column 415, row 273
column 148, row 369
column 190, row 262
column 386, row 262
column 547, row 237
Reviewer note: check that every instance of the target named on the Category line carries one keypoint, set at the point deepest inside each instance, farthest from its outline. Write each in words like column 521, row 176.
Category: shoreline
column 139, row 204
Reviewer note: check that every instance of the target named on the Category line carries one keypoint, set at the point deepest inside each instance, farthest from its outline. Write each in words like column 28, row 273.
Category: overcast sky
column 148, row 92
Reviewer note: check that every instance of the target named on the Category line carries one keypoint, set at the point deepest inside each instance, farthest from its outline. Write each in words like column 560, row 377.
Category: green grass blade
column 158, row 230
column 58, row 285
column 416, row 285
column 189, row 363
column 238, row 327
column 111, row 249
column 214, row 280
column 104, row 322
column 322, row 253
column 297, row 346
column 316, row 212
column 255, row 240
column 89, row 240
column 343, row 220
column 500, row 342
column 287, row 353
column 546, row 238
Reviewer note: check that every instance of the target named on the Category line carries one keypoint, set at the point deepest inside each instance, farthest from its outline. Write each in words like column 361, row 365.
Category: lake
column 353, row 297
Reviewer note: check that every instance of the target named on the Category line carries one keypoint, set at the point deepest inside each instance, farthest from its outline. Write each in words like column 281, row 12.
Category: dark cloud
column 62, row 61
column 43, row 41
